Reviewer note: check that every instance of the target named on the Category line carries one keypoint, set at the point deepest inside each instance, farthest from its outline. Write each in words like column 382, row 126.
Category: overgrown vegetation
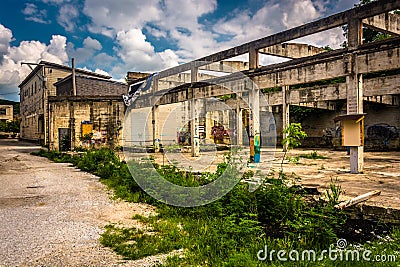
column 10, row 126
column 293, row 134
column 227, row 232
column 313, row 155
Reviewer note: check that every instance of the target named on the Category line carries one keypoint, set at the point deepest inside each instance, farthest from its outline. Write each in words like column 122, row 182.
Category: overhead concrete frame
column 352, row 62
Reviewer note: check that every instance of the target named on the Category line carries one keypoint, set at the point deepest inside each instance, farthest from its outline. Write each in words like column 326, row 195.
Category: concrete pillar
column 254, row 118
column 209, row 125
column 285, row 111
column 355, row 91
column 155, row 119
column 72, row 125
column 155, row 133
column 194, row 128
column 253, row 58
column 195, row 115
column 254, row 124
column 239, row 123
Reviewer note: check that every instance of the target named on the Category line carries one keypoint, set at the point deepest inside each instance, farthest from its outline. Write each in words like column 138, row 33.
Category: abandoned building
column 356, row 86
column 6, row 113
column 86, row 112
column 34, row 92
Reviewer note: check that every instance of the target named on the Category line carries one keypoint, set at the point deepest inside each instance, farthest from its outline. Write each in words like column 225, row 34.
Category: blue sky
column 117, row 36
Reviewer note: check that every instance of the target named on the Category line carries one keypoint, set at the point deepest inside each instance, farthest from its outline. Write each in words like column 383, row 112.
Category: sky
column 116, row 36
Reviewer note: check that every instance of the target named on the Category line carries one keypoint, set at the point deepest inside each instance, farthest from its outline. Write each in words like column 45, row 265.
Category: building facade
column 92, row 116
column 35, row 90
column 6, row 113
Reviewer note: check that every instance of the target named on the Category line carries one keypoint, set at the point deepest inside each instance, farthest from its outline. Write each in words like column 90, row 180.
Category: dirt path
column 52, row 214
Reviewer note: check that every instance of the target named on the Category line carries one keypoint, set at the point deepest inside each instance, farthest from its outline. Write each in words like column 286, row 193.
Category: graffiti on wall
column 383, row 131
column 333, row 132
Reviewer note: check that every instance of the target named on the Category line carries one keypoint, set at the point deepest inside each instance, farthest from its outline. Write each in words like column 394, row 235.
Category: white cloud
column 99, row 71
column 103, row 59
column 138, row 54
column 11, row 71
column 34, row 14
column 300, row 12
column 85, row 53
column 5, row 39
column 271, row 18
column 67, row 17
column 92, row 43
column 334, row 38
column 109, row 17
column 55, row 1
column 173, row 19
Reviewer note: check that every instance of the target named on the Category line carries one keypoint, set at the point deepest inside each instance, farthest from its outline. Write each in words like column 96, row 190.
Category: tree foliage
column 9, row 126
column 294, row 134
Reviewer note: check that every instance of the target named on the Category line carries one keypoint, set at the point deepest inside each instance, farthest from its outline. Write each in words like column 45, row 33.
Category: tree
column 293, row 134
column 10, row 126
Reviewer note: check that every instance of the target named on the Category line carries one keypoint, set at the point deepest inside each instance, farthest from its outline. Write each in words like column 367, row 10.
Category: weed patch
column 227, row 232
column 313, row 155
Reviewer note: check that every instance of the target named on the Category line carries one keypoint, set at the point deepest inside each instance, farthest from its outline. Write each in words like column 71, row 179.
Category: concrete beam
column 292, row 50
column 391, row 100
column 370, row 58
column 387, row 23
column 226, row 66
column 333, row 21
column 320, row 105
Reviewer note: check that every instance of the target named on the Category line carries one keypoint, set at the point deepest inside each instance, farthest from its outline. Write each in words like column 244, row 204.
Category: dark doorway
column 64, row 139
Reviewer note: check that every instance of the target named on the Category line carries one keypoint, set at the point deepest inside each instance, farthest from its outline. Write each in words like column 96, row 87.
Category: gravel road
column 52, row 214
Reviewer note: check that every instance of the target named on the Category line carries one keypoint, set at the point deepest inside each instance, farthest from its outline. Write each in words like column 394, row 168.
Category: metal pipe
column 73, row 76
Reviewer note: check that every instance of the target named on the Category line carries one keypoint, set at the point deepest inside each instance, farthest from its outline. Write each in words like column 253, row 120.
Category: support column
column 254, row 124
column 155, row 120
column 355, row 91
column 72, row 125
column 209, row 125
column 254, row 118
column 194, row 112
column 285, row 111
column 253, row 58
column 239, row 122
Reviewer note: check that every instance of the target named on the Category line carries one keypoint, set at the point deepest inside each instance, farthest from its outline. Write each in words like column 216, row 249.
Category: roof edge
column 59, row 66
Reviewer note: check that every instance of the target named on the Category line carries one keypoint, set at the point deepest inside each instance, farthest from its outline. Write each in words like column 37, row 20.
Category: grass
column 230, row 231
column 313, row 155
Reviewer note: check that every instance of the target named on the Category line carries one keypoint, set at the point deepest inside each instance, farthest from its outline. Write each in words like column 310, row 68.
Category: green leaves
column 294, row 134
